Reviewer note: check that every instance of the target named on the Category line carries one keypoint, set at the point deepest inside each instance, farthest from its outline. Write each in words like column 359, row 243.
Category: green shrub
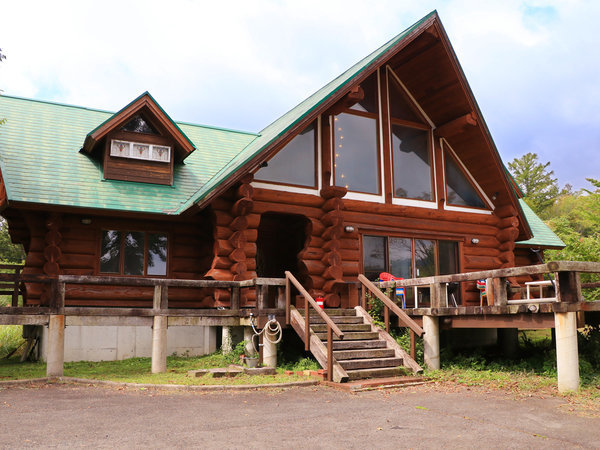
column 10, row 339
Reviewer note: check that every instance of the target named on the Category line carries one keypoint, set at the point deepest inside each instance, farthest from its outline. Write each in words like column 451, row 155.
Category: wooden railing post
column 288, row 299
column 329, row 353
column 499, row 291
column 261, row 297
column 568, row 287
column 438, row 295
column 15, row 295
column 386, row 318
column 306, row 325
column 57, row 296
column 413, row 345
column 363, row 297
column 235, row 298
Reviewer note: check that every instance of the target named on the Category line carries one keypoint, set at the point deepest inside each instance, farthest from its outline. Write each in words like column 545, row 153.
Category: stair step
column 360, row 374
column 351, row 336
column 357, row 345
column 354, row 364
column 341, row 355
column 337, row 319
column 322, row 328
column 331, row 312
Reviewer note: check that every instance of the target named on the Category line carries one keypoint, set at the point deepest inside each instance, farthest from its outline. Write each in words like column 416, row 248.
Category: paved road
column 316, row 417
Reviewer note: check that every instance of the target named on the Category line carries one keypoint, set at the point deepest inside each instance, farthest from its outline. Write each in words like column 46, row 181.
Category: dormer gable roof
column 149, row 109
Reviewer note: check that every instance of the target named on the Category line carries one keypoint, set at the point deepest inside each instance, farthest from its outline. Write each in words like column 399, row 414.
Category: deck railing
column 10, row 283
column 309, row 301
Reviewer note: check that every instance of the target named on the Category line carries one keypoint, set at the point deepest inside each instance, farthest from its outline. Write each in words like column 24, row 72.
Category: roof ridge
column 85, row 108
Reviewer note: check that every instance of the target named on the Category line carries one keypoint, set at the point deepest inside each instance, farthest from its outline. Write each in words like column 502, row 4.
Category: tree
column 536, row 181
column 9, row 252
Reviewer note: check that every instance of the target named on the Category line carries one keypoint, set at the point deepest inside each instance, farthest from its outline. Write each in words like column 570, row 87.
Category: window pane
column 295, row 163
column 356, row 162
column 447, row 257
column 458, row 188
column 412, row 163
column 374, row 255
column 110, row 254
column 138, row 125
column 400, row 258
column 369, row 103
column 157, row 254
column 400, row 108
column 425, row 257
column 134, row 253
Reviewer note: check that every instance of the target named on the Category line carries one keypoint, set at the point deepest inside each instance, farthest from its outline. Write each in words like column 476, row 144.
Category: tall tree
column 536, row 181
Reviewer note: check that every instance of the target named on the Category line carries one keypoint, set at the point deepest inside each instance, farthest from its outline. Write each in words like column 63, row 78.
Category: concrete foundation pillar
column 269, row 354
column 508, row 338
column 249, row 348
column 159, row 344
column 567, row 353
column 431, row 341
column 226, row 340
column 55, row 361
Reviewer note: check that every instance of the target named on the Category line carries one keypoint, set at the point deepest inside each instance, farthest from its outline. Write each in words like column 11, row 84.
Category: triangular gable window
column 369, row 103
column 459, row 190
column 400, row 106
column 138, row 125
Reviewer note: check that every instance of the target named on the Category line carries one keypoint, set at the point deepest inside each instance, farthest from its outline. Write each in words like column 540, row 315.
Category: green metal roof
column 543, row 236
column 296, row 114
column 41, row 162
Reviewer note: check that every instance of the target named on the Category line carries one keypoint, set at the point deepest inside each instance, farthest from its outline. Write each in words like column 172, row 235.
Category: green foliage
column 576, row 220
column 9, row 252
column 10, row 339
column 233, row 357
column 539, row 187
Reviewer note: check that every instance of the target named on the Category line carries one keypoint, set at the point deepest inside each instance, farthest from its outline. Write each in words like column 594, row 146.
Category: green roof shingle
column 543, row 236
column 41, row 162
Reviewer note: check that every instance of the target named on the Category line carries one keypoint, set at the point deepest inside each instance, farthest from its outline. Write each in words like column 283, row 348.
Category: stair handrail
column 388, row 305
column 308, row 300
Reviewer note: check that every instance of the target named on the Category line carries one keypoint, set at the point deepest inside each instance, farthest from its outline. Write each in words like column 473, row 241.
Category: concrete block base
column 113, row 343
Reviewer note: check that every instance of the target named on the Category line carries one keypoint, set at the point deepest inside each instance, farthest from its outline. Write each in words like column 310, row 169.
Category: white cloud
column 241, row 64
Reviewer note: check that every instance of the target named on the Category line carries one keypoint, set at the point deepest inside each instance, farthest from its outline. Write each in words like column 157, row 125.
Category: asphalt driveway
column 60, row 415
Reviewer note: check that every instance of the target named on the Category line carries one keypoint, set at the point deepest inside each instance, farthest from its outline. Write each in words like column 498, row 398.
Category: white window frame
column 298, row 189
column 131, row 154
column 430, row 204
column 445, row 145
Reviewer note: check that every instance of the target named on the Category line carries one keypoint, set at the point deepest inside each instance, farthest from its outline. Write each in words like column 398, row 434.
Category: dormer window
column 140, row 143
column 136, row 150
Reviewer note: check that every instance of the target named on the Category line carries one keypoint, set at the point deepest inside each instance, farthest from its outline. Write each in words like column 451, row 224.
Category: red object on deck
column 321, row 302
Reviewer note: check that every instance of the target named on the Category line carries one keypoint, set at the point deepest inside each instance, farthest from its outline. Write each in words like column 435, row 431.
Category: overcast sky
column 534, row 66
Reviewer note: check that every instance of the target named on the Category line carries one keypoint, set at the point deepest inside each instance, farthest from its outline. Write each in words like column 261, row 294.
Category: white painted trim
column 319, row 156
column 466, row 209
column 407, row 92
column 285, row 188
column 381, row 154
column 365, row 197
column 471, row 178
column 415, row 203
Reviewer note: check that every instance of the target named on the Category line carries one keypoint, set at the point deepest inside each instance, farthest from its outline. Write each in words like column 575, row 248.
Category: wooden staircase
column 366, row 350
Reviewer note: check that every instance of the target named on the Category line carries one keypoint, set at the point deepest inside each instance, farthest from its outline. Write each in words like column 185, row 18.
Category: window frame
column 446, row 147
column 427, row 125
column 295, row 188
column 122, row 252
column 358, row 195
column 459, row 240
column 132, row 156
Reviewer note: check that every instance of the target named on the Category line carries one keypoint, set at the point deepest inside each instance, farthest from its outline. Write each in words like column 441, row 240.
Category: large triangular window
column 460, row 190
column 411, row 145
column 137, row 124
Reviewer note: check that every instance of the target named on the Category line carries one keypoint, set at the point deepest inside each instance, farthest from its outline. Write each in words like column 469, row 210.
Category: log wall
column 63, row 245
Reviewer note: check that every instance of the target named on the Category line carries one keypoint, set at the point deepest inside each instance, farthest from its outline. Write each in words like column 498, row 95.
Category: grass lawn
column 138, row 370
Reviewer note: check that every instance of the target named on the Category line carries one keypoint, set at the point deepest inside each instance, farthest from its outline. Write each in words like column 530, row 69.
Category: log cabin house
column 390, row 167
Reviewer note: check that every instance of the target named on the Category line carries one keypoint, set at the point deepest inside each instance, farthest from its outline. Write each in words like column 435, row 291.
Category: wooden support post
column 55, row 358
column 363, row 297
column 261, row 297
column 413, row 344
column 568, row 287
column 567, row 355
